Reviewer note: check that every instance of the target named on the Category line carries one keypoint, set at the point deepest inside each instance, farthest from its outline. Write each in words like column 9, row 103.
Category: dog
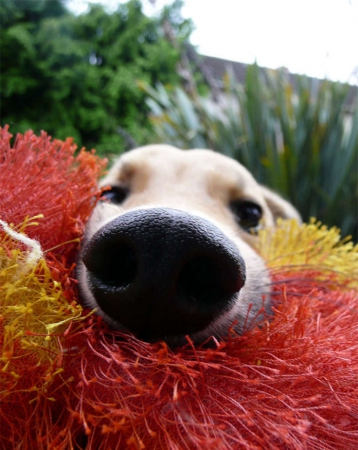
column 169, row 251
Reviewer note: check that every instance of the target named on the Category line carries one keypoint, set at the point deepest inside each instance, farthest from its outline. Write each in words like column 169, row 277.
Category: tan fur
column 202, row 183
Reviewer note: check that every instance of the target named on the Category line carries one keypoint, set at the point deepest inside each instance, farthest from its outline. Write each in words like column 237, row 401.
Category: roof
column 218, row 67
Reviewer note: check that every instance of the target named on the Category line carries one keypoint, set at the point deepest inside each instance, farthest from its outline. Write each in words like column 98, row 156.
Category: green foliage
column 296, row 138
column 78, row 75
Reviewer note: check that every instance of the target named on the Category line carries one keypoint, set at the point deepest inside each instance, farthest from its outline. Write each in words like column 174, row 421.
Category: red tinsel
column 291, row 384
column 44, row 176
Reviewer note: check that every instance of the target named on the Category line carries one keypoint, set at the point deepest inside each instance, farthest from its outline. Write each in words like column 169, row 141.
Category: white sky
column 316, row 37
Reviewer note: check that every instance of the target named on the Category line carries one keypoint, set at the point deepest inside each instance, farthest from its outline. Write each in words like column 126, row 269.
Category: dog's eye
column 117, row 194
column 247, row 214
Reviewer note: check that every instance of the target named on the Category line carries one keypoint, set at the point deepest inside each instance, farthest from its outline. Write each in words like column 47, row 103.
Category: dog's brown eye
column 117, row 194
column 247, row 214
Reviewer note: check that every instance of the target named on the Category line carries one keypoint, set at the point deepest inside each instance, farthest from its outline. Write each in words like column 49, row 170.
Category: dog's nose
column 161, row 272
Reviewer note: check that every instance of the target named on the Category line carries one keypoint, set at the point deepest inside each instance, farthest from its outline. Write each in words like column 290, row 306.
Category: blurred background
column 271, row 83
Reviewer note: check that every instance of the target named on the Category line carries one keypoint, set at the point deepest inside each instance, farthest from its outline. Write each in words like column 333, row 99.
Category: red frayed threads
column 290, row 384
column 40, row 175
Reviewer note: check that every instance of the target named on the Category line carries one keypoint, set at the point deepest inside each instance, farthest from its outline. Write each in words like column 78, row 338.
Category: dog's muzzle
column 161, row 272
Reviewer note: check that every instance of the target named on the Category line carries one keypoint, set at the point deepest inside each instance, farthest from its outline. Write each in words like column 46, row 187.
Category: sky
column 318, row 38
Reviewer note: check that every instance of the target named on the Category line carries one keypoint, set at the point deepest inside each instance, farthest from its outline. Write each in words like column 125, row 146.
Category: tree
column 78, row 75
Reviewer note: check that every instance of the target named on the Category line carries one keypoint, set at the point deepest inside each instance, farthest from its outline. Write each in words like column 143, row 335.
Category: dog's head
column 170, row 253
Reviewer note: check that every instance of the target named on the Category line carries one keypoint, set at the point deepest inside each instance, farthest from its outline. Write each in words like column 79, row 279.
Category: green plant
column 77, row 75
column 296, row 137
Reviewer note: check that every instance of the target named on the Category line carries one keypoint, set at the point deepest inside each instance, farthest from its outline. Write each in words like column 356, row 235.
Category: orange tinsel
column 71, row 382
column 44, row 176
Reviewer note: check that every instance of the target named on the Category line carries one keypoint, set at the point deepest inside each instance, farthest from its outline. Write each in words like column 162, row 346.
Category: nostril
column 197, row 282
column 204, row 282
column 114, row 265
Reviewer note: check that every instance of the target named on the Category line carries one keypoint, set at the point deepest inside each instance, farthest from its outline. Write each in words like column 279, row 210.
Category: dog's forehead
column 168, row 161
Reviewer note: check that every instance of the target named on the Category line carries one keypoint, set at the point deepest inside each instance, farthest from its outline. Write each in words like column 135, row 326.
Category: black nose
column 162, row 272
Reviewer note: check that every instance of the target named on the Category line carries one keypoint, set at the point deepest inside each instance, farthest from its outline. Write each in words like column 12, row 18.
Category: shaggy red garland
column 291, row 384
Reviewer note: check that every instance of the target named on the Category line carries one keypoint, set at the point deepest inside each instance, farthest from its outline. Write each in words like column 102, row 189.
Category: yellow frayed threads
column 312, row 246
column 36, row 252
column 34, row 312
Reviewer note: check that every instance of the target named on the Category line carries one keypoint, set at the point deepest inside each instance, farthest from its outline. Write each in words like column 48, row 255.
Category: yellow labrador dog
column 170, row 253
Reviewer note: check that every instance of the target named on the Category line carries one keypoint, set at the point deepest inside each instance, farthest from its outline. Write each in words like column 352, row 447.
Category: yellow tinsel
column 310, row 246
column 34, row 312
